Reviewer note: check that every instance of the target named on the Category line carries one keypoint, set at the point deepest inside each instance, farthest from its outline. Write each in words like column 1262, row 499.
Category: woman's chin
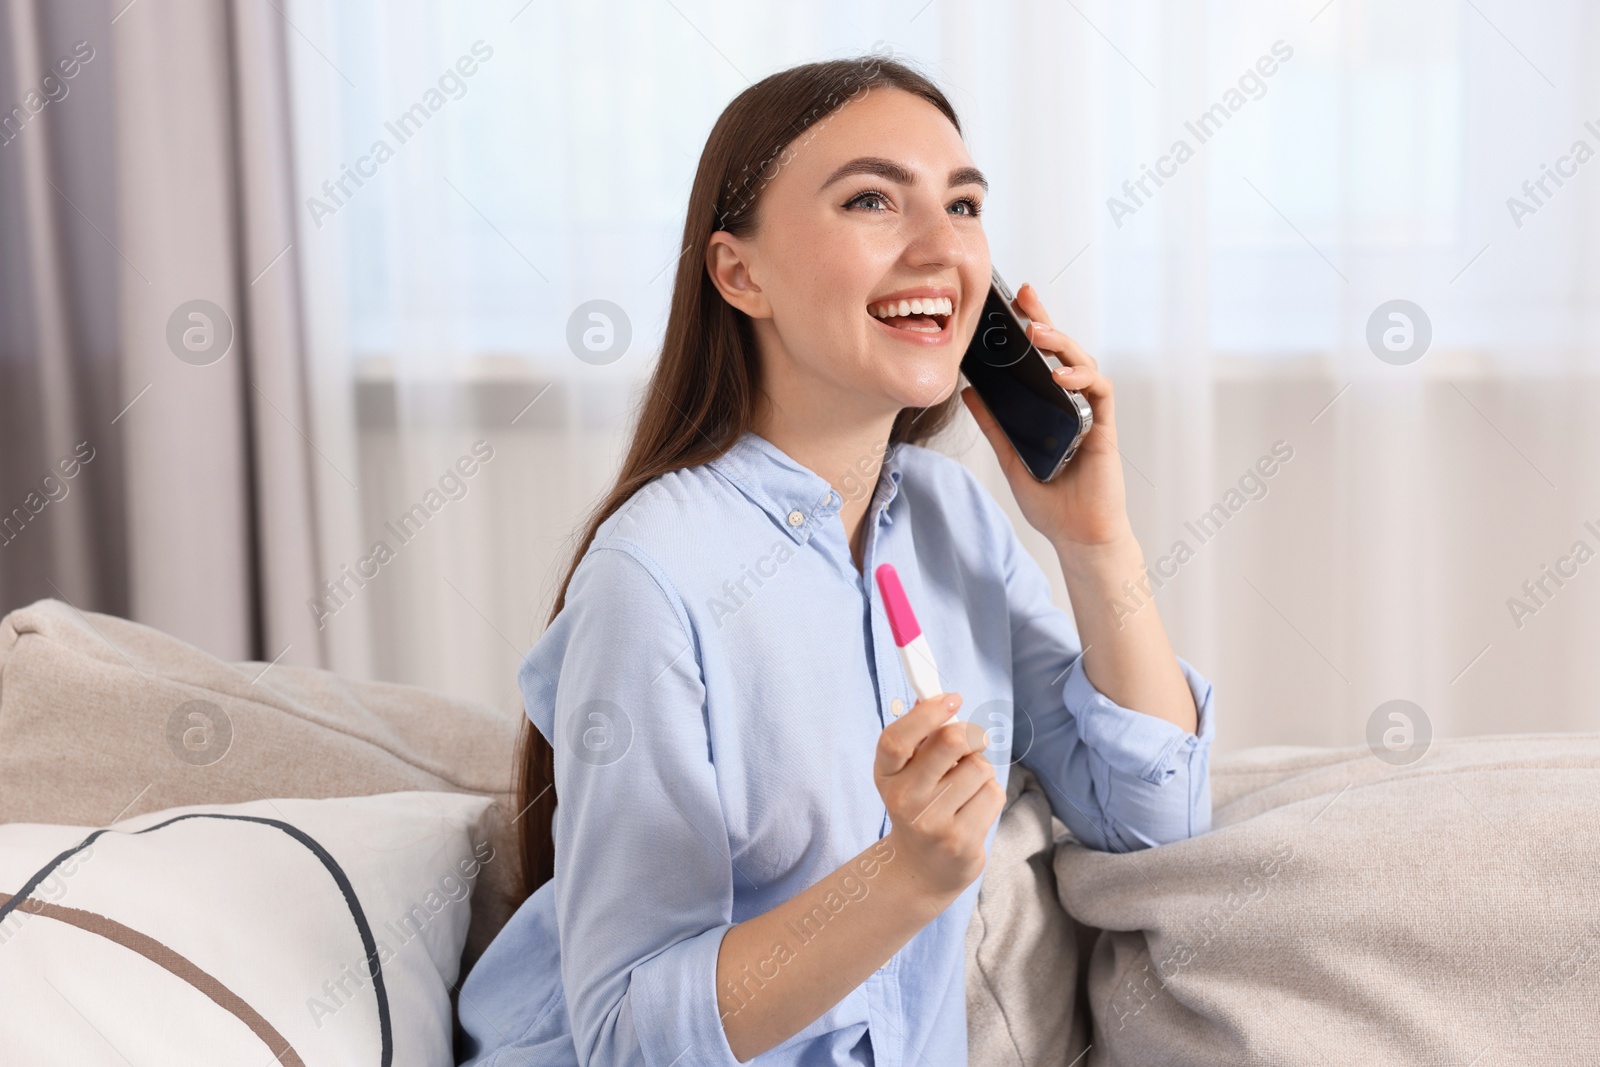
column 925, row 393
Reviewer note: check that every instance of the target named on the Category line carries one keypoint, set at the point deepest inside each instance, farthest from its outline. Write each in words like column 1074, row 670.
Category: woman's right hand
column 940, row 788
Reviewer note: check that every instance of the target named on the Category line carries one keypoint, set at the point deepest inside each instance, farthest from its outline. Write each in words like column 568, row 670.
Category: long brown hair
column 703, row 393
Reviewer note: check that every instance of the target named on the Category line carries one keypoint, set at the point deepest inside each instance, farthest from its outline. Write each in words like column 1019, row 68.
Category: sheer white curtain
column 1339, row 156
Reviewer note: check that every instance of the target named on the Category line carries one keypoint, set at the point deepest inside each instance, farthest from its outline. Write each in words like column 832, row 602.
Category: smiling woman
column 726, row 784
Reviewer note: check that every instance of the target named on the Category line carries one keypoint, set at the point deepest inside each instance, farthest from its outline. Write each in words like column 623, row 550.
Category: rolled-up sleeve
column 644, row 890
column 1120, row 779
column 1132, row 780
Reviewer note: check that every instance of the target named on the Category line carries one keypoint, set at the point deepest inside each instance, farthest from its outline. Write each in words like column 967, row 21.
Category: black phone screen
column 1014, row 380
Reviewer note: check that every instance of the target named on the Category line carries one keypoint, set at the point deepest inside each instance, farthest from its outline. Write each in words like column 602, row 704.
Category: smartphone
column 1044, row 422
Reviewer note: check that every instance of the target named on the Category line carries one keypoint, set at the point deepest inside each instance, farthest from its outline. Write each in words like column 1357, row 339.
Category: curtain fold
column 284, row 517
column 57, row 389
column 145, row 211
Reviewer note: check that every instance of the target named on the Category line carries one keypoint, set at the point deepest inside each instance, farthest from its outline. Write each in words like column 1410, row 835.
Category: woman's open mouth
column 924, row 316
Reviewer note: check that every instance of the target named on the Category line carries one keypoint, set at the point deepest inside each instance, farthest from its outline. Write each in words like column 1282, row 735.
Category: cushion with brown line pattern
column 308, row 932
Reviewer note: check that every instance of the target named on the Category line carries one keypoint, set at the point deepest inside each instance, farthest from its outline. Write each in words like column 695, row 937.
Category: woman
column 759, row 845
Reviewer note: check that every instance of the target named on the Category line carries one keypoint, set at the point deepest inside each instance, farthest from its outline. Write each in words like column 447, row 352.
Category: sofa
column 1343, row 909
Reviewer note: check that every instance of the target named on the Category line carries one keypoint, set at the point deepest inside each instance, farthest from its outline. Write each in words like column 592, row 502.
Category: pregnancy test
column 915, row 655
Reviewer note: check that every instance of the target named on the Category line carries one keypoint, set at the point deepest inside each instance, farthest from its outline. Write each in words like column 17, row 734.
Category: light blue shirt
column 714, row 689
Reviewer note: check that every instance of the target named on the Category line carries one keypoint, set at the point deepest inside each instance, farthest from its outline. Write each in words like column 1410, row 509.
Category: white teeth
column 941, row 305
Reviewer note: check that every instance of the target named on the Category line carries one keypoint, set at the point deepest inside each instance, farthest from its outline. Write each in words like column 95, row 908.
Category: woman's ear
column 727, row 261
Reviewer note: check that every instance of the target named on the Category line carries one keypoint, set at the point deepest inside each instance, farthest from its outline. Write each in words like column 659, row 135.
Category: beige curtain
column 146, row 168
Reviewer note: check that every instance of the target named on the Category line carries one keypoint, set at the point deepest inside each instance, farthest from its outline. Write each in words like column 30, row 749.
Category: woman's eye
column 872, row 200
column 870, row 194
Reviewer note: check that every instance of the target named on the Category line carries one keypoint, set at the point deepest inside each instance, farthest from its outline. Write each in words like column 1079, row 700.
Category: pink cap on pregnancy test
column 915, row 655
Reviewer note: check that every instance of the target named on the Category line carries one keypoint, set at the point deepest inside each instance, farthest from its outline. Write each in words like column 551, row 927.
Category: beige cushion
column 93, row 728
column 1024, row 980
column 1343, row 910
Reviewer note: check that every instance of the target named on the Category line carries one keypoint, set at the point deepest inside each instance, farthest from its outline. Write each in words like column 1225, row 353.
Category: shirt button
column 897, row 705
column 795, row 518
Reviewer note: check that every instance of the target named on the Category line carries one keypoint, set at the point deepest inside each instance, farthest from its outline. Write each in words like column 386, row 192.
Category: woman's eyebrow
column 889, row 170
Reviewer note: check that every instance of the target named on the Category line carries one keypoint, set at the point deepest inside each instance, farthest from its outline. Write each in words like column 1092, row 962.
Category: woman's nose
column 934, row 241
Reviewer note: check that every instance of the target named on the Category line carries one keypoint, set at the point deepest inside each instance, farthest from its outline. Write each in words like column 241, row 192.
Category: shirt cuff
column 1134, row 742
column 673, row 996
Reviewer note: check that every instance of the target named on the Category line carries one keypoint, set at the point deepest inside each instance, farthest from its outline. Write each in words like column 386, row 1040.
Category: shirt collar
column 797, row 498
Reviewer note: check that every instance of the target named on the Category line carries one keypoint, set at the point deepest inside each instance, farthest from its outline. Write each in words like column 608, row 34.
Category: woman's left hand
column 1086, row 505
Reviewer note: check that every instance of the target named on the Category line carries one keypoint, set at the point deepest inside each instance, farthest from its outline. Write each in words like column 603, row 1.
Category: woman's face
column 871, row 208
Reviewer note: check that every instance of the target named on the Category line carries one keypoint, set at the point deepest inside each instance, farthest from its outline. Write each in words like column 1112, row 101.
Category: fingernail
column 952, row 701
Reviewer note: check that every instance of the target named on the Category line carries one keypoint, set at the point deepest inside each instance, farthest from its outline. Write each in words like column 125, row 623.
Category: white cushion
column 235, row 933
